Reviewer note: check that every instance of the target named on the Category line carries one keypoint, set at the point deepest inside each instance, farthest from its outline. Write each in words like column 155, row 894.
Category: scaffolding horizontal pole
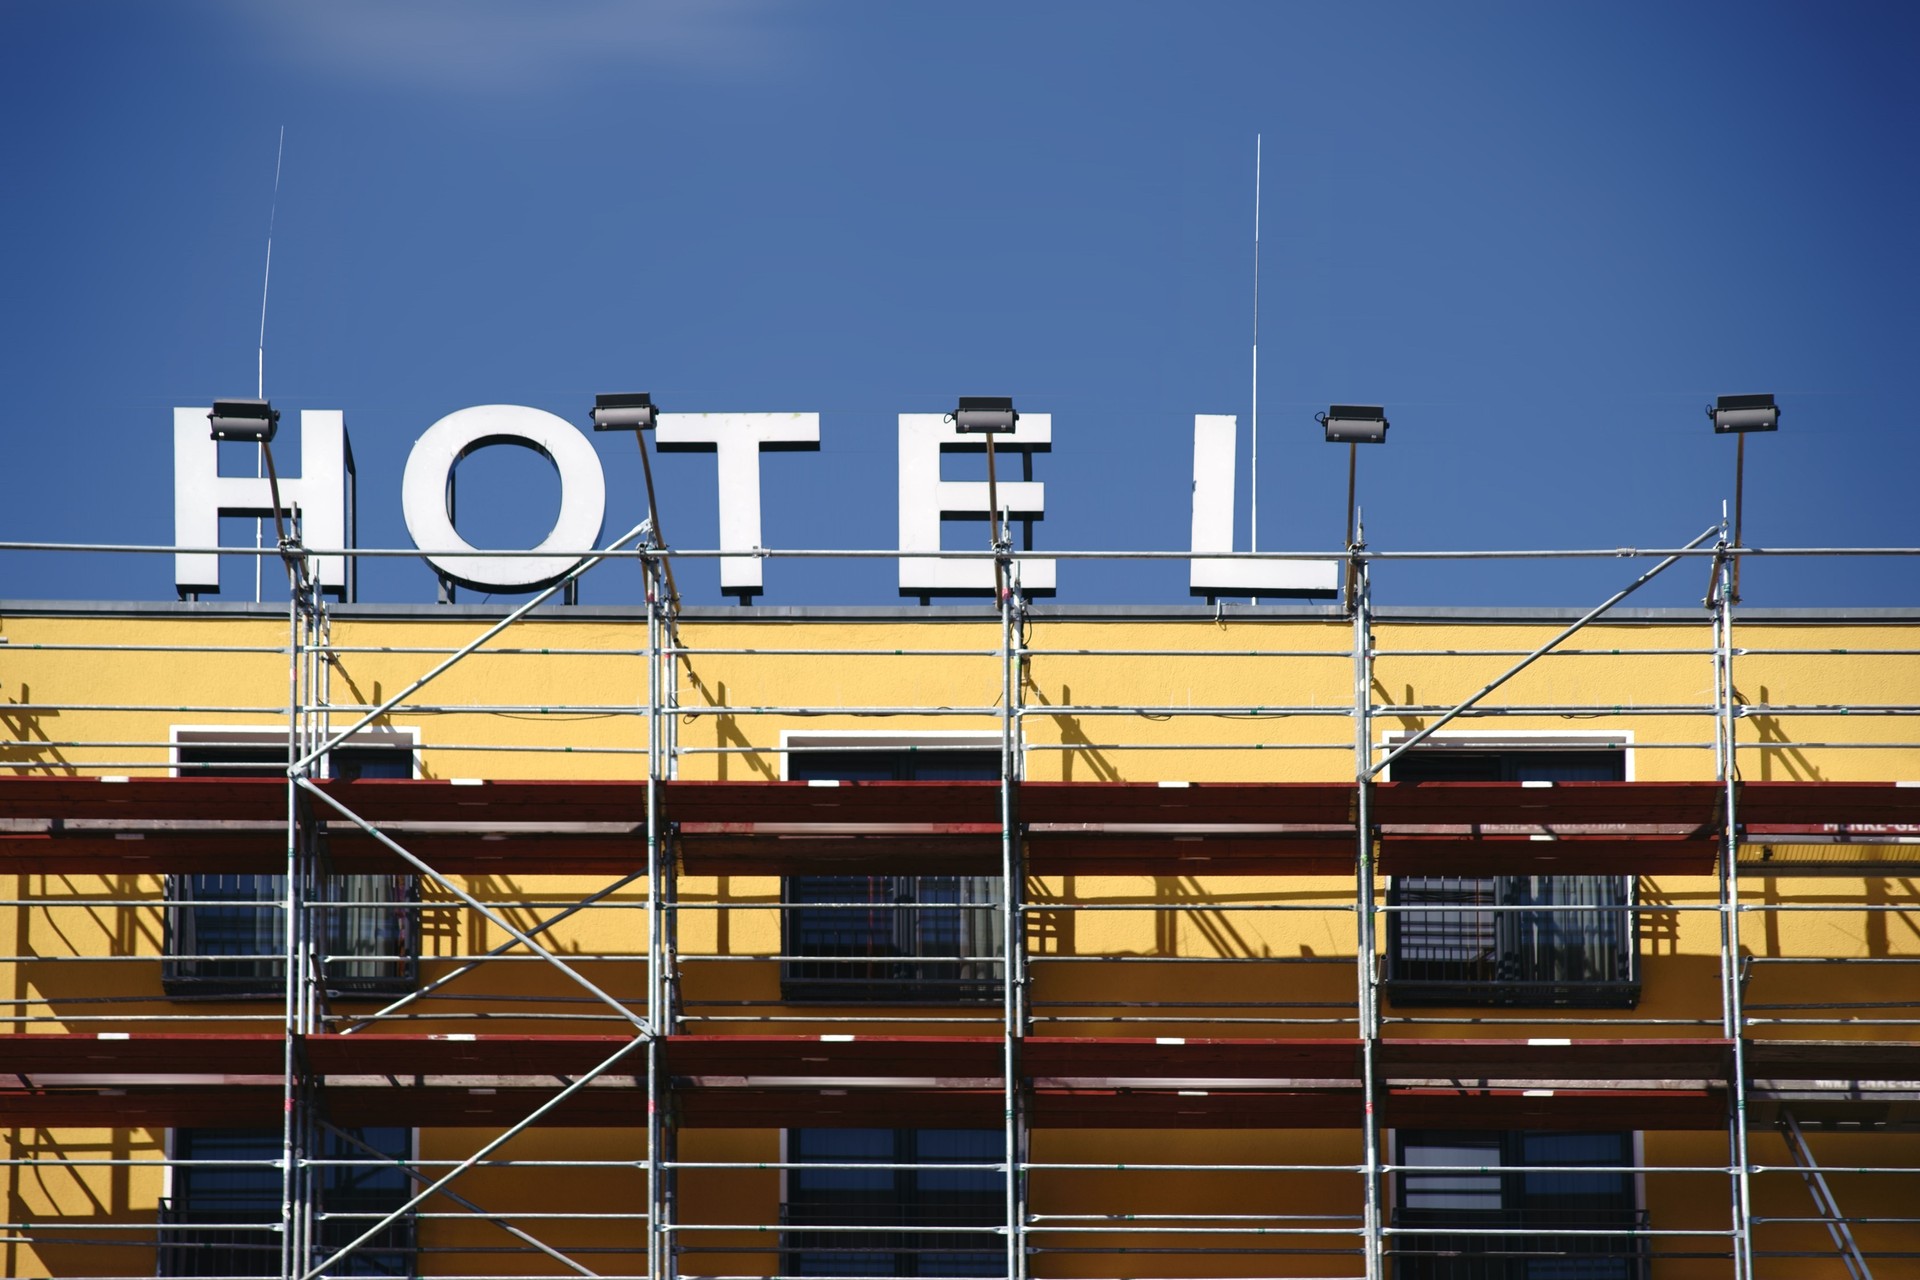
column 1248, row 1230
column 1847, row 960
column 1209, row 1020
column 1555, row 653
column 1130, row 1166
column 1834, row 1169
column 939, row 1166
column 1764, row 908
column 1545, row 1019
column 980, row 1019
column 1191, row 1217
column 836, row 1227
column 679, row 651
column 1239, row 960
column 485, row 1215
column 68, row 1224
column 439, row 651
column 12, row 646
column 1341, row 654
column 848, row 553
column 1584, row 1232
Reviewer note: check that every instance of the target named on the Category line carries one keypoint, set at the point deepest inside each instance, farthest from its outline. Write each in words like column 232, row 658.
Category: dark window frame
column 893, row 1198
column 1541, row 1202
column 252, row 931
column 1454, row 956
column 253, row 1195
column 892, row 952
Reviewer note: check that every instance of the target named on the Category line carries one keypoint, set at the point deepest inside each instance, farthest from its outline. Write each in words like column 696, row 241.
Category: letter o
column 583, row 495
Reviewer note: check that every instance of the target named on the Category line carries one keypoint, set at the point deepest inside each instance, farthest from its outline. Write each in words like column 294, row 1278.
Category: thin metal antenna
column 1256, row 345
column 266, row 276
column 260, row 352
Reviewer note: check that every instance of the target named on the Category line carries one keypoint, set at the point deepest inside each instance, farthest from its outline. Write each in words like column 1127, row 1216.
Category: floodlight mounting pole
column 993, row 522
column 288, row 546
column 653, row 515
column 1739, row 495
column 273, row 489
column 1353, row 462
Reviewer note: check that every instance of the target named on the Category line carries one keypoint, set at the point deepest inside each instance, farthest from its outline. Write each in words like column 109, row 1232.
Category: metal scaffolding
column 1048, row 1052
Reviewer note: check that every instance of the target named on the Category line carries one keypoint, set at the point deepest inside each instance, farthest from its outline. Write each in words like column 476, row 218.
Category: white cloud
column 491, row 46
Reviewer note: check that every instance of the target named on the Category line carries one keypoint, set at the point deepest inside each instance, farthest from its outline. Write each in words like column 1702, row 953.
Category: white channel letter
column 583, row 495
column 925, row 498
column 1213, row 475
column 738, row 439
column 321, row 495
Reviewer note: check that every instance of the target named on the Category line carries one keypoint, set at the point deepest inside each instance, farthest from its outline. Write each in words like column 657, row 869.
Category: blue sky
column 1542, row 235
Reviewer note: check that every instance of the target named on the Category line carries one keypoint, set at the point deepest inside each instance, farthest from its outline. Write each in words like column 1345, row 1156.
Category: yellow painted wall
column 1295, row 964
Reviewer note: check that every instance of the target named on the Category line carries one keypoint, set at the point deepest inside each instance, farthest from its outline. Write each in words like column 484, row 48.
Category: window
column 226, row 934
column 1504, row 1193
column 1456, row 955
column 232, row 1195
column 925, row 1196
column 886, row 948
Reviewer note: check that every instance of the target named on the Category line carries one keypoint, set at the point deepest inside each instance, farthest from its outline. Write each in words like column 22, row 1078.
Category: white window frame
column 1518, row 740
column 255, row 735
column 884, row 740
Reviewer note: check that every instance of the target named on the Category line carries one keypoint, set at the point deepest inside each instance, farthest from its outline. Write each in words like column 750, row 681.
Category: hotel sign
column 321, row 494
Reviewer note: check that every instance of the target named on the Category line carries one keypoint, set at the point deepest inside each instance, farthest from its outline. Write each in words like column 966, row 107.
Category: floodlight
column 1737, row 415
column 1354, row 424
column 634, row 411
column 984, row 415
column 623, row 411
column 1744, row 413
column 251, row 420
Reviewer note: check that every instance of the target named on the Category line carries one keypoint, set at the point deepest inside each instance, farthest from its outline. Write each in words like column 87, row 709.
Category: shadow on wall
column 727, row 733
column 1074, row 734
column 55, row 1194
column 23, row 728
column 1780, row 760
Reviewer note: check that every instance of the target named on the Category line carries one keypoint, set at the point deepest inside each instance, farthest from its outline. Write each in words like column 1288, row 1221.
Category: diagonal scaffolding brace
column 1823, row 1197
column 572, row 575
column 1539, row 653
column 497, row 1220
column 427, row 989
column 578, row 1083
column 524, row 939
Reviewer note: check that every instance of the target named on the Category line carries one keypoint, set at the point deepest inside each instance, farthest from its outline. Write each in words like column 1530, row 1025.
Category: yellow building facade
column 718, row 902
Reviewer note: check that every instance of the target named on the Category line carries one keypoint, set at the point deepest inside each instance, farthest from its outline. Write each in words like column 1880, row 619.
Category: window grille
column 889, row 1200
column 226, row 933
column 1503, row 1193
column 204, row 1227
column 1573, row 945
column 905, row 938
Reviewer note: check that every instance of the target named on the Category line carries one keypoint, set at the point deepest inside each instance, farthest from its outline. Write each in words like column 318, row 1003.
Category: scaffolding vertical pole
column 666, row 699
column 1734, row 998
column 656, row 1104
column 1013, row 920
column 1723, row 965
column 1365, row 974
column 313, row 939
column 295, row 1204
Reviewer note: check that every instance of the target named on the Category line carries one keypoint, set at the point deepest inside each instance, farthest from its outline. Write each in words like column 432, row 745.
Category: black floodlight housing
column 1354, row 424
column 984, row 415
column 1744, row 413
column 254, row 421
column 624, row 411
